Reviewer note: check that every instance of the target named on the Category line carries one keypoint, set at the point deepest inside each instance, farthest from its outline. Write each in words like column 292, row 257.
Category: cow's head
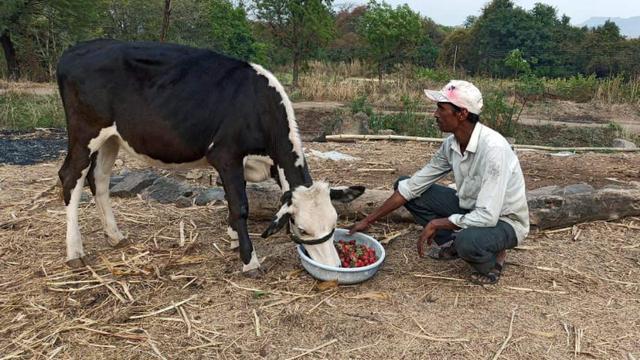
column 313, row 218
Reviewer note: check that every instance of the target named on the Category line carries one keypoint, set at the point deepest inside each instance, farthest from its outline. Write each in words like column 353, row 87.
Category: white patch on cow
column 324, row 253
column 74, row 239
column 284, row 184
column 253, row 264
column 105, row 133
column 294, row 136
column 210, row 146
column 102, row 173
column 315, row 217
column 257, row 168
column 234, row 243
column 232, row 233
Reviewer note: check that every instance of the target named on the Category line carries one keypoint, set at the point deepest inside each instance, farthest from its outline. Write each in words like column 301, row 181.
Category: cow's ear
column 346, row 194
column 282, row 216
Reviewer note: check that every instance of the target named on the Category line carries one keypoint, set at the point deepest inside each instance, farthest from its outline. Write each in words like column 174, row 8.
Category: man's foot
column 489, row 278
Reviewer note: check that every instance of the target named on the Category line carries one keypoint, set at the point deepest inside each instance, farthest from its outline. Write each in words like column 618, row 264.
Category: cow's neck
column 290, row 171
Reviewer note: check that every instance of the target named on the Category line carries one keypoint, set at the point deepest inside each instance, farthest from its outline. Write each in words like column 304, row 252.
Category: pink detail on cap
column 451, row 93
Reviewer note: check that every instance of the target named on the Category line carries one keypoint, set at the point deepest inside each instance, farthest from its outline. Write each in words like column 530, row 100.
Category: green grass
column 28, row 111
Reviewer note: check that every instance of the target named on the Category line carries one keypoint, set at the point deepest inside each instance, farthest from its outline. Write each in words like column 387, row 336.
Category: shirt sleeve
column 419, row 182
column 488, row 207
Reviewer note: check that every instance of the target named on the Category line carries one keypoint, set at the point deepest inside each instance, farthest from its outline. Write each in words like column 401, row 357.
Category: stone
column 167, row 190
column 184, row 202
column 386, row 132
column 132, row 183
column 623, row 144
column 357, row 124
column 210, row 195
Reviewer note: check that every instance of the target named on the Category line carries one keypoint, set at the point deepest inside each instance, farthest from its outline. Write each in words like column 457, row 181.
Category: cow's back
column 162, row 96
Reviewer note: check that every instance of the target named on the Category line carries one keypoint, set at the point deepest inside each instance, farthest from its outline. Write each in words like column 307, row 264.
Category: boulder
column 167, row 190
column 131, row 183
column 623, row 144
column 357, row 124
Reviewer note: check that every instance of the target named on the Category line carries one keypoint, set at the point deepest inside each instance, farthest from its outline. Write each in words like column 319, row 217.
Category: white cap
column 460, row 93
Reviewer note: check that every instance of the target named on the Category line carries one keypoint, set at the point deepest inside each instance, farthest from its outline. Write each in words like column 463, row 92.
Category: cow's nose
column 325, row 253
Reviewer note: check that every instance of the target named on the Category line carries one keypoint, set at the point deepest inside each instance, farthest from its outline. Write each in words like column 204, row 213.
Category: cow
column 181, row 107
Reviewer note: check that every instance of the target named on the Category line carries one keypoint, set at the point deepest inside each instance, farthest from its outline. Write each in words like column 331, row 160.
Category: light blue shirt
column 488, row 179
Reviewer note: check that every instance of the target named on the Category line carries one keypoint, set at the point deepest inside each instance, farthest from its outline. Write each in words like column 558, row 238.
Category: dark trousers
column 478, row 246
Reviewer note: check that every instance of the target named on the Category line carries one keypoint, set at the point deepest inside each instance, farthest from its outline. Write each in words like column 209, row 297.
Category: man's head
column 458, row 101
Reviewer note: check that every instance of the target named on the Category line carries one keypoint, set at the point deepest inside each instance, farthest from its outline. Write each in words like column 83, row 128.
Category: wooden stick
column 431, row 338
column 173, row 306
column 321, row 302
column 437, row 277
column 182, row 238
column 257, row 322
column 504, row 344
column 377, row 170
column 314, row 349
column 535, row 290
column 344, row 137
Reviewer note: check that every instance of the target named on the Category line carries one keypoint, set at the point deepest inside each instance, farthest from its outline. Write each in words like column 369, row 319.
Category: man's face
column 447, row 118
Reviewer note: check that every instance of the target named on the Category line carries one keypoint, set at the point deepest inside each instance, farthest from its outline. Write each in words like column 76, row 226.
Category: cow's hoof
column 254, row 274
column 75, row 263
column 88, row 259
column 122, row 243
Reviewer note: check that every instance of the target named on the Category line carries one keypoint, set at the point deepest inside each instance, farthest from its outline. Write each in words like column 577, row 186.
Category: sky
column 454, row 12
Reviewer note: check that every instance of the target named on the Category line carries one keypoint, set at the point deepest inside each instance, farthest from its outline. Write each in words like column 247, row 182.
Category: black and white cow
column 176, row 106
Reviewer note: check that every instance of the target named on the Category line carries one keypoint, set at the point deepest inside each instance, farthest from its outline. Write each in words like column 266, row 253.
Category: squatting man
column 487, row 213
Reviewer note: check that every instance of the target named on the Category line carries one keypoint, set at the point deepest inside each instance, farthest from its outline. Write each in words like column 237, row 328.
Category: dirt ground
column 572, row 293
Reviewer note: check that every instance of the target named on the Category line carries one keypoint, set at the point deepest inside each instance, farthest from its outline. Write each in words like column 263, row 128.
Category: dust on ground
column 572, row 293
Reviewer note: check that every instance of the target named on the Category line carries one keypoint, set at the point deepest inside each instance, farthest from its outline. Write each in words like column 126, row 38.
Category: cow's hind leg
column 102, row 166
column 72, row 176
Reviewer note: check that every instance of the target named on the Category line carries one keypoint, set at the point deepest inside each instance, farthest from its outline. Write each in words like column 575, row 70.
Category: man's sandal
column 490, row 278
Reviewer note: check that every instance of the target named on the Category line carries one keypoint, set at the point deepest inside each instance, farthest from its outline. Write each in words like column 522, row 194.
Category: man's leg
column 482, row 247
column 437, row 202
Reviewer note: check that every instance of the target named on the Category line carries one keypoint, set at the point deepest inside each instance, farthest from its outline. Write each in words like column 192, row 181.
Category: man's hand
column 360, row 226
column 428, row 234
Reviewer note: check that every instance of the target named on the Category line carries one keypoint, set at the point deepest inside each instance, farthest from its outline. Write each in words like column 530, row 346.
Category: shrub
column 28, row 111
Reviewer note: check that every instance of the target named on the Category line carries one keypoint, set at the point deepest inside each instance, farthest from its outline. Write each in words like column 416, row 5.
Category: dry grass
column 565, row 294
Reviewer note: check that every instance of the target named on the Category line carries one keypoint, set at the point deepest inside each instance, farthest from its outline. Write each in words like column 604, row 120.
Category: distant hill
column 629, row 27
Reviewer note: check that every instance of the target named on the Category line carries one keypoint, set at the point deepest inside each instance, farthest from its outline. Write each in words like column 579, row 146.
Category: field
column 568, row 293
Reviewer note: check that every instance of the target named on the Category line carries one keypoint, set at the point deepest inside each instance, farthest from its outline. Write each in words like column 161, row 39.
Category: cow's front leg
column 232, row 176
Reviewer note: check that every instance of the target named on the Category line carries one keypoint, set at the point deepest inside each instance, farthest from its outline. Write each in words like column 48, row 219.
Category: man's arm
column 393, row 202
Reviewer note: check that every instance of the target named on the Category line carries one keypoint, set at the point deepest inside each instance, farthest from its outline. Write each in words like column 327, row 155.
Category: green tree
column 300, row 26
column 36, row 32
column 392, row 35
column 517, row 63
column 231, row 30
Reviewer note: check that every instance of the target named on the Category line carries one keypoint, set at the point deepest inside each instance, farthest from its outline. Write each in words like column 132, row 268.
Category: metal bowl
column 344, row 275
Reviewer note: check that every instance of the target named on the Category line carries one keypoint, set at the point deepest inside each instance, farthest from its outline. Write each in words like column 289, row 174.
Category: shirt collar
column 473, row 141
column 475, row 138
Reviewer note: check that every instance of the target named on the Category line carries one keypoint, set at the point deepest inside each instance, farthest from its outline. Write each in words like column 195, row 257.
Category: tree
column 36, row 32
column 231, row 31
column 347, row 44
column 300, row 26
column 165, row 20
column 391, row 34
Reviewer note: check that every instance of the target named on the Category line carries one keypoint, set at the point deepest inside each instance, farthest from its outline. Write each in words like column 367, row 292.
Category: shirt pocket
column 470, row 187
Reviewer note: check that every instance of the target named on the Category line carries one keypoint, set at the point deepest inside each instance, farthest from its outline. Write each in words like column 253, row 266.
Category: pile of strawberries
column 355, row 255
